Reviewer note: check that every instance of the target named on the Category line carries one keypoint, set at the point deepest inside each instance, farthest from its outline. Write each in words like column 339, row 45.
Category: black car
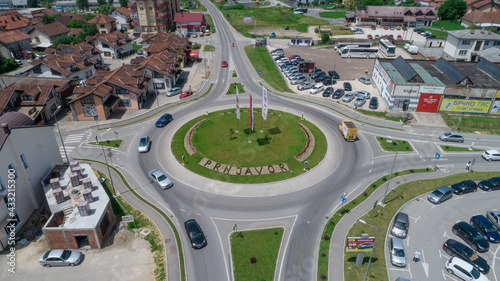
column 464, row 187
column 164, row 120
column 333, row 74
column 195, row 234
column 327, row 92
column 347, row 86
column 329, row 81
column 470, row 235
column 316, row 70
column 320, row 78
column 374, row 27
column 297, row 61
column 338, row 94
column 318, row 74
column 483, row 225
column 417, row 30
column 457, row 249
column 490, row 184
column 373, row 103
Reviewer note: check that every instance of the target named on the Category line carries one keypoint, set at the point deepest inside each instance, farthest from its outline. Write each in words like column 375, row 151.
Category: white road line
column 399, row 269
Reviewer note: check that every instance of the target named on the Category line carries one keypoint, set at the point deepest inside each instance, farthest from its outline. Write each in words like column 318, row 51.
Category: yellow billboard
column 465, row 106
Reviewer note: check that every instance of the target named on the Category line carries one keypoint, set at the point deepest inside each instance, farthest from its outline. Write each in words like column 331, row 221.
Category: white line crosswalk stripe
column 74, row 138
column 68, row 150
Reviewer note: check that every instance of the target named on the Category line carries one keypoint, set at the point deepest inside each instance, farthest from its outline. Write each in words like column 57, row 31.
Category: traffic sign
column 306, row 163
column 96, row 117
column 344, row 193
column 438, row 155
column 343, row 199
column 260, row 72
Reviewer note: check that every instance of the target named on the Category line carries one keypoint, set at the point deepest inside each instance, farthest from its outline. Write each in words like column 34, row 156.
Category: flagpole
column 262, row 118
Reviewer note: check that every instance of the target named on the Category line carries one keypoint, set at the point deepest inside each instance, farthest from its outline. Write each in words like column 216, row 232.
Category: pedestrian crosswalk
column 70, row 143
column 74, row 138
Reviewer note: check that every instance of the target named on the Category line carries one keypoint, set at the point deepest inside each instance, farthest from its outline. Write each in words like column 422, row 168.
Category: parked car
column 195, row 234
column 362, row 93
column 293, row 56
column 174, row 91
column 327, row 92
column 317, row 74
column 61, row 258
column 359, row 101
column 297, row 61
column 470, row 235
column 400, row 225
column 140, row 52
column 398, row 27
column 186, row 94
column 452, row 136
column 277, row 52
column 417, row 30
column 102, row 67
column 365, row 80
column 374, row 27
column 491, row 155
column 464, row 270
column 373, row 103
column 140, row 57
column 160, row 179
column 278, row 57
column 494, row 217
column 316, row 70
column 399, row 36
column 320, row 78
column 392, row 27
column 457, row 249
column 328, row 81
column 487, row 229
column 305, row 85
column 465, row 186
column 348, row 97
column 338, row 94
column 397, row 252
column 144, row 144
column 369, row 36
column 164, row 120
column 298, row 80
column 386, row 27
column 22, row 73
column 347, row 86
column 440, row 195
column 377, row 36
column 224, row 63
column 291, row 71
column 333, row 74
column 316, row 89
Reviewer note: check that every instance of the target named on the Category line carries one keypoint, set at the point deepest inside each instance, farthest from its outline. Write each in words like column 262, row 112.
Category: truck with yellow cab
column 348, row 130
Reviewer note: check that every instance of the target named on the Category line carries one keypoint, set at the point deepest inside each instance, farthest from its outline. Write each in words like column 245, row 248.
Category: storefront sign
column 406, row 91
column 431, row 90
column 428, row 102
column 465, row 106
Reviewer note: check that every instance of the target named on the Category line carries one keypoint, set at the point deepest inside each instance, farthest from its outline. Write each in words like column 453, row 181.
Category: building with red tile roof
column 395, row 16
column 122, row 17
column 104, row 23
column 72, row 65
column 14, row 44
column 113, row 45
column 482, row 19
column 13, row 20
column 164, row 68
column 483, row 5
column 83, row 48
column 190, row 23
column 173, row 43
column 44, row 34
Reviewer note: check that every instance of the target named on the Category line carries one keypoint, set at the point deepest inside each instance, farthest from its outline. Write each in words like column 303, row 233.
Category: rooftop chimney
column 6, row 128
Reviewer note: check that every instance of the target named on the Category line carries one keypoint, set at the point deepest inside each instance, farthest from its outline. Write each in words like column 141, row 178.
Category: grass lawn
column 378, row 114
column 262, row 244
column 185, row 5
column 208, row 48
column 324, row 245
column 439, row 34
column 287, row 139
column 447, row 25
column 457, row 148
column 232, row 89
column 271, row 17
column 210, row 23
column 392, row 145
column 261, row 60
column 382, row 219
column 332, row 15
column 136, row 47
column 472, row 123
column 110, row 143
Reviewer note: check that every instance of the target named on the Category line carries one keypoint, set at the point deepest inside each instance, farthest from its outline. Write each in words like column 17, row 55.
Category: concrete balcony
column 132, row 4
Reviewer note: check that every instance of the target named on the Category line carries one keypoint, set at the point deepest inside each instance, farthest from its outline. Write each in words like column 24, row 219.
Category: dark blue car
column 164, row 120
column 486, row 228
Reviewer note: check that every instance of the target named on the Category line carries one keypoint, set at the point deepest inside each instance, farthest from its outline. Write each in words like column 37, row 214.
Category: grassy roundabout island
column 212, row 148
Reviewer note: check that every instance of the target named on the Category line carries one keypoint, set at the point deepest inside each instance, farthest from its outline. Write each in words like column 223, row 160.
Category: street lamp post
column 373, row 249
column 393, row 162
column 57, row 124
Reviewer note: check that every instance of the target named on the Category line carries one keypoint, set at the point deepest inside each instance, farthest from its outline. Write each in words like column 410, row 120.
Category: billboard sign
column 307, row 67
column 407, row 91
column 359, row 244
column 431, row 90
column 465, row 106
column 247, row 20
column 428, row 103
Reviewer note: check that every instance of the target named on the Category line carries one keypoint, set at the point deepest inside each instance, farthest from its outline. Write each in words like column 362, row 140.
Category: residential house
column 44, row 34
column 13, row 20
column 14, row 44
column 483, row 5
column 171, row 42
column 163, row 68
column 153, row 15
column 113, row 45
column 104, row 23
column 485, row 20
column 395, row 16
column 72, row 65
column 190, row 23
column 462, row 45
column 122, row 17
column 27, row 153
column 6, row 5
column 121, row 89
column 84, row 48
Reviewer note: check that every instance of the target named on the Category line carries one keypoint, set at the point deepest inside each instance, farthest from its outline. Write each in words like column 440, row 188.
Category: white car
column 144, row 144
column 365, row 80
column 464, row 270
column 174, row 91
column 160, row 179
column 491, row 155
column 317, row 89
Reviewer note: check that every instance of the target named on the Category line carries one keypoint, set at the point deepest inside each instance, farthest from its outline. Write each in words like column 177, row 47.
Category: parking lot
column 431, row 225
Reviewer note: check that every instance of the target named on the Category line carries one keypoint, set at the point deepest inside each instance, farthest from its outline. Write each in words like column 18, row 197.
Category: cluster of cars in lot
column 424, row 33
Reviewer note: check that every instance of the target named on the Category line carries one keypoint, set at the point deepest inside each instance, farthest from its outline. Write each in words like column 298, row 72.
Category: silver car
column 348, row 97
column 494, row 217
column 61, row 258
column 298, row 80
column 365, row 80
column 144, row 144
column 360, row 101
column 305, row 85
column 441, row 194
column 363, row 93
column 174, row 91
column 397, row 252
column 160, row 179
column 316, row 89
column 290, row 72
column 452, row 136
column 400, row 225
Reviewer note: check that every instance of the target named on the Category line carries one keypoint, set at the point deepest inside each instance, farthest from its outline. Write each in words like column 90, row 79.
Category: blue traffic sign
column 260, row 72
column 96, row 117
column 306, row 163
column 343, row 199
column 437, row 155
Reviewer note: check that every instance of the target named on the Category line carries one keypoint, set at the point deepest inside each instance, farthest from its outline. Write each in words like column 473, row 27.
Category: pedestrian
column 467, row 166
column 441, row 28
column 366, row 71
column 416, row 257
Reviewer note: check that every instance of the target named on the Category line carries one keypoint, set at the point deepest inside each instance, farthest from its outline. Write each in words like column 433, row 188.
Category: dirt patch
column 285, row 33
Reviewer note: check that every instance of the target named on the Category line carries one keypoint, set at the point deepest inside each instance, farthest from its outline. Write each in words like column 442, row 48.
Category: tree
column 110, row 2
column 76, row 24
column 47, row 4
column 452, row 10
column 105, row 9
column 32, row 3
column 46, row 19
column 101, row 2
column 82, row 4
column 378, row 2
column 325, row 38
column 124, row 3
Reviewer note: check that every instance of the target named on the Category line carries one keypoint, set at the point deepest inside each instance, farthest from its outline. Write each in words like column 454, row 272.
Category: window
column 2, row 185
column 159, row 86
column 37, row 39
column 105, row 45
column 124, row 102
column 462, row 53
column 88, row 73
column 102, row 26
column 51, row 95
column 152, row 21
column 27, row 98
column 496, row 43
column 37, row 70
column 87, row 100
column 121, row 91
column 150, row 8
column 151, row 15
column 12, row 167
column 55, row 72
column 141, row 9
column 486, row 43
column 466, row 42
column 23, row 159
column 143, row 21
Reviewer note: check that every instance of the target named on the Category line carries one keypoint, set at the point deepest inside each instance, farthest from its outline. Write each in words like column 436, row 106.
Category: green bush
column 325, row 38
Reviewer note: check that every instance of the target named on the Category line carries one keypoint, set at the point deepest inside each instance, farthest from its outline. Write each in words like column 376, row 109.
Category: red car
column 386, row 27
column 370, row 36
column 185, row 94
column 294, row 56
column 399, row 37
column 224, row 63
column 102, row 67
